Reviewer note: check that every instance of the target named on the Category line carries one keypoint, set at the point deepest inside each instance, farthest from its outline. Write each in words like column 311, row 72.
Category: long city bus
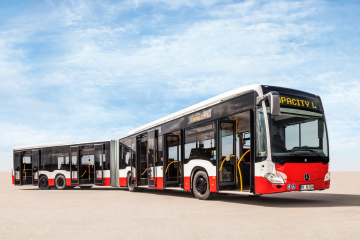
column 253, row 140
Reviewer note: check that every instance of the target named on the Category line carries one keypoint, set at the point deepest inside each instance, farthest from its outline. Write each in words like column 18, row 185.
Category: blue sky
column 93, row 70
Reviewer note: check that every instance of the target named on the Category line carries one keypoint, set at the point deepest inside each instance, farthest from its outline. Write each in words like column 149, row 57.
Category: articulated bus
column 253, row 140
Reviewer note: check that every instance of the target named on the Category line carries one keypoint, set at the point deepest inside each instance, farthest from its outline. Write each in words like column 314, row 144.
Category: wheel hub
column 60, row 182
column 201, row 185
column 44, row 182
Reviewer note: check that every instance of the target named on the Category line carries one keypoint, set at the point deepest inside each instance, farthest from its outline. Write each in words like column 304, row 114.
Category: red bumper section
column 294, row 176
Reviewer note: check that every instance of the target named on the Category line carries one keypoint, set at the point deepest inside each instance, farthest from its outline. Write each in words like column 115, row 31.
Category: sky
column 80, row 71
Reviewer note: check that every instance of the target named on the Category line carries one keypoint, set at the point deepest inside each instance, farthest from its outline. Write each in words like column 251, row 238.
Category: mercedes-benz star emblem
column 307, row 177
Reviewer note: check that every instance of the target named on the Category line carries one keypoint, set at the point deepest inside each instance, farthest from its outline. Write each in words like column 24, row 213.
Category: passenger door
column 133, row 161
column 151, row 159
column 17, row 168
column 35, row 167
column 74, row 166
column 98, row 164
column 172, row 161
column 227, row 156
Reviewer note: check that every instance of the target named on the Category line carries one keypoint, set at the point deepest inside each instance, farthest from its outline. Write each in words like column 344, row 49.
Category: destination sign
column 200, row 116
column 300, row 102
column 290, row 98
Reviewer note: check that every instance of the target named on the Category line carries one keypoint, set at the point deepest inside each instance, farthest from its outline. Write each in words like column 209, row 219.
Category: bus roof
column 58, row 144
column 42, row 145
column 199, row 106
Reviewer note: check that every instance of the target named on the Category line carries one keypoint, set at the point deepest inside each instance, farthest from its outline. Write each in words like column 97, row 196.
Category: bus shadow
column 284, row 200
column 79, row 189
column 280, row 200
column 308, row 200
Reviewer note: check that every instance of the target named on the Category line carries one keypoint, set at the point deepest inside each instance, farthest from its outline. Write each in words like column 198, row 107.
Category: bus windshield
column 298, row 133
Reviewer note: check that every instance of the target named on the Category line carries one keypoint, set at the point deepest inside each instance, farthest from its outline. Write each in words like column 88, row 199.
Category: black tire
column 44, row 183
column 131, row 183
column 85, row 187
column 201, row 186
column 60, row 182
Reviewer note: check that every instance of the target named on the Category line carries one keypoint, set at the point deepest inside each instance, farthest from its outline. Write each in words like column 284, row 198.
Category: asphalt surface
column 107, row 213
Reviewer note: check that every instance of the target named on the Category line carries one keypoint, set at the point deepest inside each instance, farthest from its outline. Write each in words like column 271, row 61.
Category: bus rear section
column 62, row 165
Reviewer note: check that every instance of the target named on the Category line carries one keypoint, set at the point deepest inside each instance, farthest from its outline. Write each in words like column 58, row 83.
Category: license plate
column 307, row 187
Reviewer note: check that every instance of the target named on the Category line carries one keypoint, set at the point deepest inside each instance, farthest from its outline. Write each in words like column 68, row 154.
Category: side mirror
column 274, row 102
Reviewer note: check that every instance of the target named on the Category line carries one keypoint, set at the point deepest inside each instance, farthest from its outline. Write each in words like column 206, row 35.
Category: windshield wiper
column 281, row 160
column 324, row 160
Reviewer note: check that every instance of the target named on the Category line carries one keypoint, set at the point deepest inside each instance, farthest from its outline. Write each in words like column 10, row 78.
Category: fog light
column 274, row 178
column 327, row 177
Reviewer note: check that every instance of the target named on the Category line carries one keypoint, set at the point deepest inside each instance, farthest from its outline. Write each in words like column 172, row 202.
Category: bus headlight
column 274, row 178
column 327, row 177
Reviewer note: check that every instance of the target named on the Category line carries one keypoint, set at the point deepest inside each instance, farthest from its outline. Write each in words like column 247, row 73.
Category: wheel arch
column 58, row 175
column 43, row 175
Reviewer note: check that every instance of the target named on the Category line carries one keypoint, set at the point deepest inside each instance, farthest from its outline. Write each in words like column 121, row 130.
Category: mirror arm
column 259, row 100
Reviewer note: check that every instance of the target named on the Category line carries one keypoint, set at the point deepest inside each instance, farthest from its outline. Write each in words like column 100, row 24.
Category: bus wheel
column 131, row 183
column 60, row 182
column 43, row 183
column 201, row 186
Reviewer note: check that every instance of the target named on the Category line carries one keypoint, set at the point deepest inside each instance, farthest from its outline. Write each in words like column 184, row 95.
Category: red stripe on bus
column 123, row 182
column 51, row 182
column 106, row 182
column 68, row 182
column 212, row 181
column 159, row 182
column 187, row 184
column 12, row 176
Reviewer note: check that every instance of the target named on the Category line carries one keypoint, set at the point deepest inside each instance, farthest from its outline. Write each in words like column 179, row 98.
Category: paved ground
column 106, row 213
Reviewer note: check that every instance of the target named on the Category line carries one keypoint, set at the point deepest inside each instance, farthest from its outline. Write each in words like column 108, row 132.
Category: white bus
column 252, row 140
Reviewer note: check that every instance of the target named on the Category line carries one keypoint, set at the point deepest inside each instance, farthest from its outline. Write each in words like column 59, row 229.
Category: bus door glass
column 17, row 168
column 35, row 167
column 74, row 169
column 172, row 160
column 26, row 169
column 151, row 159
column 87, row 165
column 143, row 161
column 227, row 158
column 134, row 160
column 98, row 163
